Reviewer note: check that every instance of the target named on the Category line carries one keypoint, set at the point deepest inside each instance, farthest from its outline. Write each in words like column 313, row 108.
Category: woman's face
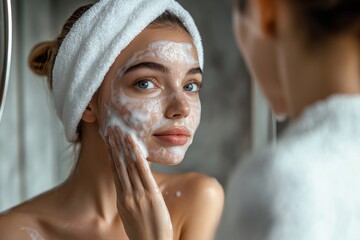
column 260, row 55
column 152, row 93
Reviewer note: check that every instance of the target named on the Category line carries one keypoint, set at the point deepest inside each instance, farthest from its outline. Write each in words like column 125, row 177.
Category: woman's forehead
column 153, row 39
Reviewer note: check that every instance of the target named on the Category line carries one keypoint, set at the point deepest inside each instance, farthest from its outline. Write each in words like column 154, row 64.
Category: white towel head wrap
column 93, row 44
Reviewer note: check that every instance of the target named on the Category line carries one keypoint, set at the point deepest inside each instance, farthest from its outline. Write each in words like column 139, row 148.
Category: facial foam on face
column 173, row 52
column 141, row 117
column 114, row 119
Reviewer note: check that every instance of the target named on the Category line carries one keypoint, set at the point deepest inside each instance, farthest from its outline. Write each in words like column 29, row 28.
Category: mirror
column 5, row 50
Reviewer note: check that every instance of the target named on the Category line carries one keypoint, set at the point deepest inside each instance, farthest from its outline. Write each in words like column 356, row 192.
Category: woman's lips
column 174, row 136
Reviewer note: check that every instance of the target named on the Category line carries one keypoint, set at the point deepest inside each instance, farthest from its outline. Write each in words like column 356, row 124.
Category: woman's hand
column 139, row 201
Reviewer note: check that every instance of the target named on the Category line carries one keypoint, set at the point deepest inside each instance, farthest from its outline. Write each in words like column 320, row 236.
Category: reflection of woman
column 305, row 186
column 142, row 104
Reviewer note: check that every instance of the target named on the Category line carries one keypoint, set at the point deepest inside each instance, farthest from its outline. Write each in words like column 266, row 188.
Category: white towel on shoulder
column 307, row 186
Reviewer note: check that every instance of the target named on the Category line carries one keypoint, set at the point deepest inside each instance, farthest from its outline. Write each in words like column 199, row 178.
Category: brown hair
column 323, row 18
column 42, row 56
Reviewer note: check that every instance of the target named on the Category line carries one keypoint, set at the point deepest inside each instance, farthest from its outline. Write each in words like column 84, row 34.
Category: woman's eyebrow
column 159, row 67
column 149, row 65
column 195, row 71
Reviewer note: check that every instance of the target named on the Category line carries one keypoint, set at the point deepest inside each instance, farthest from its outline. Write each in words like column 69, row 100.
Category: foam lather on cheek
column 114, row 119
column 136, row 115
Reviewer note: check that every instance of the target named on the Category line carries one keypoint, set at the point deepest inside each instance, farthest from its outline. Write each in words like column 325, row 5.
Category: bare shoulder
column 192, row 186
column 23, row 221
column 205, row 200
column 202, row 187
column 15, row 225
column 198, row 200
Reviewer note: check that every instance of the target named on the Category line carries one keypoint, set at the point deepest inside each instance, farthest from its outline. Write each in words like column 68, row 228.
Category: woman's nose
column 177, row 107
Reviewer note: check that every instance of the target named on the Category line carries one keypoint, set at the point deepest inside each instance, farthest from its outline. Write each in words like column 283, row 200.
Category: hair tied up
column 41, row 57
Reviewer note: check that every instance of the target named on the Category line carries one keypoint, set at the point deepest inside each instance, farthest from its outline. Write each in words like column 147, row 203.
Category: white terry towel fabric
column 94, row 42
column 306, row 187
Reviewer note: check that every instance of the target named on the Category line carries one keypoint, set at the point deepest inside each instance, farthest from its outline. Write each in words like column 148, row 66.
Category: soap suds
column 178, row 194
column 173, row 52
column 33, row 234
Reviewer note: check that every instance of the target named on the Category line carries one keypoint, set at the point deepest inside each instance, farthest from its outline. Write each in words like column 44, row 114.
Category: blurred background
column 34, row 155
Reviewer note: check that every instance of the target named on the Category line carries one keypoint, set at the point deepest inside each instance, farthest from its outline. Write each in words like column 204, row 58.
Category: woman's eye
column 192, row 87
column 145, row 84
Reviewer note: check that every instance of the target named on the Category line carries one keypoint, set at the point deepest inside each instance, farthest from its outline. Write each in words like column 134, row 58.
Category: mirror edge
column 5, row 75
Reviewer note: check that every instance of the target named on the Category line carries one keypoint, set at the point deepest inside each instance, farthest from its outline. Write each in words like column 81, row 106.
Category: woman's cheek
column 193, row 120
column 143, row 117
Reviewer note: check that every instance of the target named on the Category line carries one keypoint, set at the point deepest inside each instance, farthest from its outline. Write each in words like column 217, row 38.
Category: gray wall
column 33, row 153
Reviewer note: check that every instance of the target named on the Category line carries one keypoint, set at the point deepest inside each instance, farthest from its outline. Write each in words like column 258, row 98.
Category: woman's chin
column 169, row 160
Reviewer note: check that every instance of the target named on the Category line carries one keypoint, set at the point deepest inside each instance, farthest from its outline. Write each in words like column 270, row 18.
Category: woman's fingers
column 113, row 167
column 142, row 167
column 121, row 142
column 132, row 169
column 129, row 161
column 119, row 161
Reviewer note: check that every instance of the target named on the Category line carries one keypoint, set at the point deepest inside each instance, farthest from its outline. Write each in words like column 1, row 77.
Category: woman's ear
column 90, row 113
column 267, row 10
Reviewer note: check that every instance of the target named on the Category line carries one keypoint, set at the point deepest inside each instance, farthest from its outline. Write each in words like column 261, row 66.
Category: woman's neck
column 315, row 74
column 90, row 187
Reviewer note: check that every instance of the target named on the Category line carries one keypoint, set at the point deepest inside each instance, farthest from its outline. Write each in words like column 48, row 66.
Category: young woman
column 125, row 76
column 305, row 186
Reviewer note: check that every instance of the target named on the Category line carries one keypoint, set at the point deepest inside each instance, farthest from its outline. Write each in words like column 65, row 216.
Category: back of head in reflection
column 305, row 55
